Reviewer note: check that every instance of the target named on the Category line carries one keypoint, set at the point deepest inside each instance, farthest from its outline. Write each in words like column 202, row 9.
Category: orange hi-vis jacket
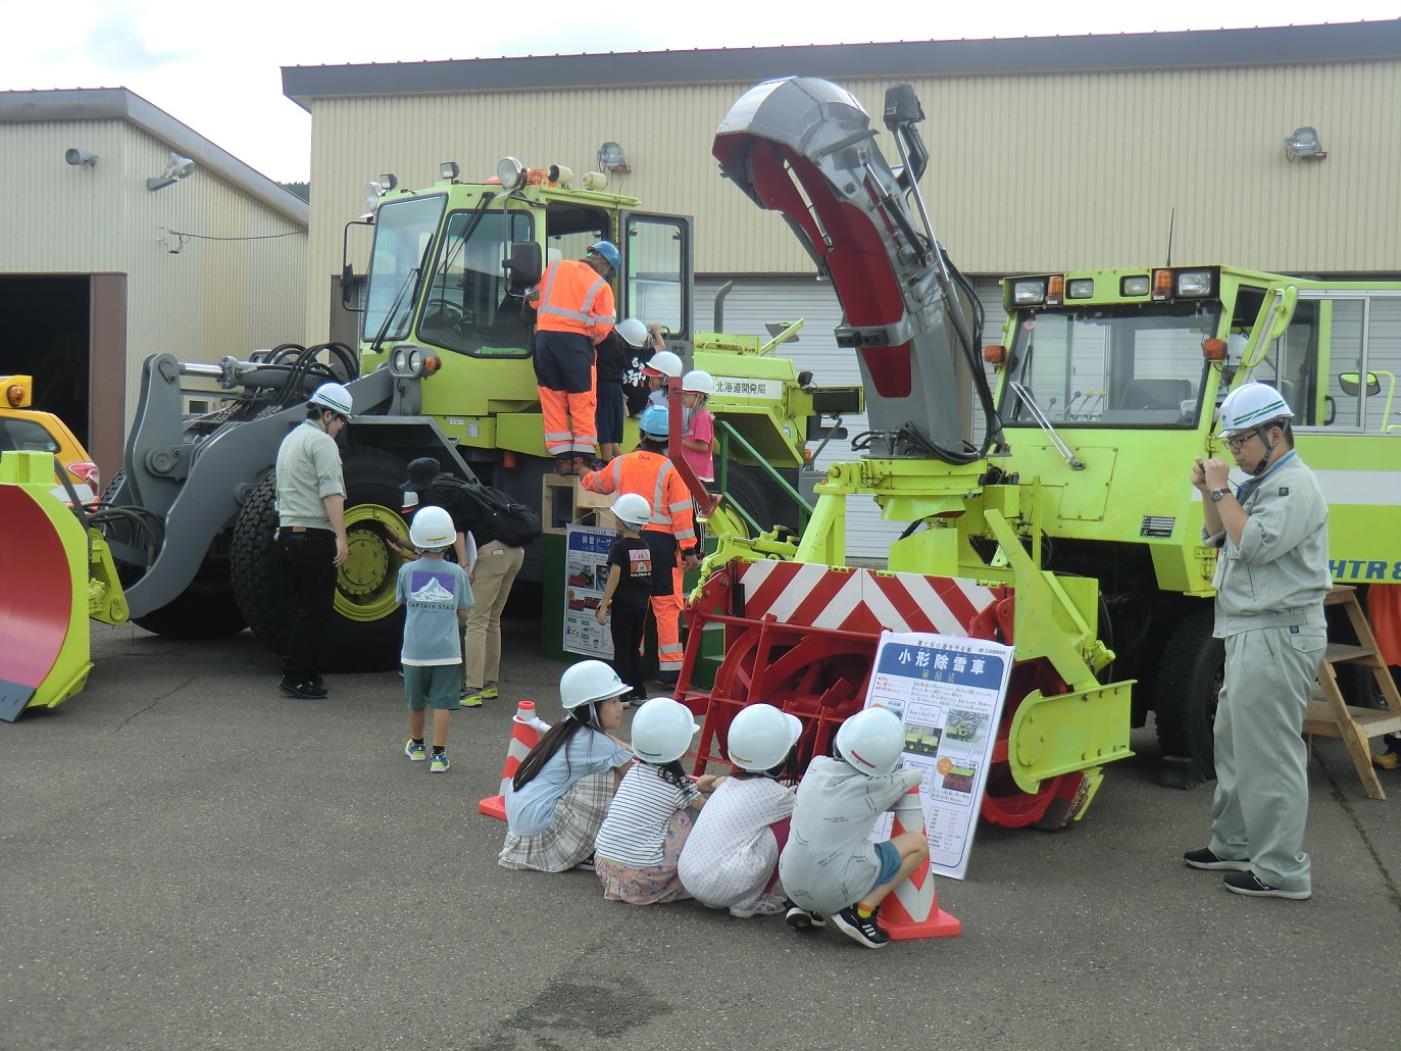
column 574, row 298
column 651, row 476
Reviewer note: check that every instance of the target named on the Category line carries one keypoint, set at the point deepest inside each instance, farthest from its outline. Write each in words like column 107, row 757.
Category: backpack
column 514, row 524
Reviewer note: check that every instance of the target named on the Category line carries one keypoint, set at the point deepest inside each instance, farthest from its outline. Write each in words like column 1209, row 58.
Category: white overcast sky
column 217, row 67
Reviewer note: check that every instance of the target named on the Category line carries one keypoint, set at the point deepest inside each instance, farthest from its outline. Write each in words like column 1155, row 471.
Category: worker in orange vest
column 574, row 311
column 670, row 535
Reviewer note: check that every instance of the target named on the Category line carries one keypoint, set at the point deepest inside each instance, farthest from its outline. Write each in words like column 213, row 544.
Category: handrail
column 727, row 432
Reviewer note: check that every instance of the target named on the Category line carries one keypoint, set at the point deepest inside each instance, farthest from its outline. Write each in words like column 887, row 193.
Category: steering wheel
column 444, row 311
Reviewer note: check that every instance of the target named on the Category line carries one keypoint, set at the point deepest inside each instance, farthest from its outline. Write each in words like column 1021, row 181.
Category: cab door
column 658, row 282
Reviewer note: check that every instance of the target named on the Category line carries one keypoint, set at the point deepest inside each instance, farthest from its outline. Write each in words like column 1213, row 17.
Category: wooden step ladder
column 1329, row 715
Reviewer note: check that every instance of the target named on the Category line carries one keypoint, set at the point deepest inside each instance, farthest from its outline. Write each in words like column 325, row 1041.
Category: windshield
column 1112, row 366
column 469, row 307
column 403, row 231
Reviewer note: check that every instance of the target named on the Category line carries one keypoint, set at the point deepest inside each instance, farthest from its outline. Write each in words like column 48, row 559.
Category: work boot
column 564, row 465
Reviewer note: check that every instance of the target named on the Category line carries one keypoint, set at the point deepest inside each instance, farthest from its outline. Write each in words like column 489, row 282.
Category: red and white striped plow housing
column 912, row 910
column 860, row 600
column 526, row 729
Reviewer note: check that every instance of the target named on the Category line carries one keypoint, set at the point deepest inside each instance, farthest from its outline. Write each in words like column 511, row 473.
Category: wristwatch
column 1217, row 494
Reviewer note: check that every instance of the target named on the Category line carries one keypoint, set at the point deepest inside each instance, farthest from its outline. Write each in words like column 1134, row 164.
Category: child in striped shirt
column 650, row 816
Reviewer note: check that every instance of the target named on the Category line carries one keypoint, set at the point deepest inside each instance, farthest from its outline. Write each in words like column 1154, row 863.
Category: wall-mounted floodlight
column 611, row 159
column 80, row 158
column 176, row 169
column 1304, row 144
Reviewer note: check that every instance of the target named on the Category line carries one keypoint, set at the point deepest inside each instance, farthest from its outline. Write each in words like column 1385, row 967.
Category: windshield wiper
column 410, row 278
column 1040, row 417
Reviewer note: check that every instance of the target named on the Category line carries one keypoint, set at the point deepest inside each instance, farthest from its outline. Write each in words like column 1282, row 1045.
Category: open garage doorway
column 68, row 331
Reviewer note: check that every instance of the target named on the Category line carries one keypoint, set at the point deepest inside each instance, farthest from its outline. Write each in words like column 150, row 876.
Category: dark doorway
column 47, row 336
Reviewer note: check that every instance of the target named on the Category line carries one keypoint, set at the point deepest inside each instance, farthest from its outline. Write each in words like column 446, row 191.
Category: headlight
column 1028, row 291
column 415, row 360
column 398, row 361
column 1080, row 288
column 1194, row 282
column 511, row 173
column 406, row 361
column 1134, row 286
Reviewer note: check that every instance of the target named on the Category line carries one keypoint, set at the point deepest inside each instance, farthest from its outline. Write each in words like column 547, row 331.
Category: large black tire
column 351, row 643
column 758, row 494
column 1187, row 687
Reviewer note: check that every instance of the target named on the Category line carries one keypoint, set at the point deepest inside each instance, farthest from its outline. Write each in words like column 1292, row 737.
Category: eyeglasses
column 1237, row 442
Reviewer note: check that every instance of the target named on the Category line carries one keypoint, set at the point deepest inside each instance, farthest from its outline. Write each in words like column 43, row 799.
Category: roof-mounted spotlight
column 448, row 171
column 387, row 181
column 510, row 173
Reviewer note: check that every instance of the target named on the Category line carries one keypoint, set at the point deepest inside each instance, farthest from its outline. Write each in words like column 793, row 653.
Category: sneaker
column 304, row 688
column 473, row 698
column 800, row 919
column 858, row 930
column 439, row 763
column 765, row 906
column 415, row 750
column 1386, row 761
column 1249, row 883
column 587, row 865
column 490, row 692
column 1205, row 859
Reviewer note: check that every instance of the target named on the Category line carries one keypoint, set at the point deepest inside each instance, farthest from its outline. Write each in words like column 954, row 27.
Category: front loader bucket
column 44, row 640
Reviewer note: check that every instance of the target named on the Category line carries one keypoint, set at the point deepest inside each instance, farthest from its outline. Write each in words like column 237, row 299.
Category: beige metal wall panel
column 1028, row 172
column 209, row 299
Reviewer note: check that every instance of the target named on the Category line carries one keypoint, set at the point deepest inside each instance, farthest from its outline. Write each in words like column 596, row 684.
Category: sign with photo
column 948, row 691
column 585, row 578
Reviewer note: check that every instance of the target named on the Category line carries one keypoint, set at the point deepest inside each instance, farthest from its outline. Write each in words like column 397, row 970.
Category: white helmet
column 872, row 740
column 633, row 509
column 1252, row 405
column 664, row 363
column 432, row 529
column 761, row 736
column 698, row 381
column 662, row 730
column 587, row 682
column 334, row 397
column 632, row 331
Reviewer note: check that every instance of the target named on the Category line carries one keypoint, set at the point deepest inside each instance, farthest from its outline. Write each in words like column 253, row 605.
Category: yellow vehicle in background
column 23, row 429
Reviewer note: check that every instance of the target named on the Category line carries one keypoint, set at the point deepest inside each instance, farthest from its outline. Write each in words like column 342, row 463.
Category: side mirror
column 523, row 264
column 1351, row 384
column 350, row 290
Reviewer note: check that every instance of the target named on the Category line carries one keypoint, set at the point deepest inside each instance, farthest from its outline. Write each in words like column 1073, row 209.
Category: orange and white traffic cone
column 912, row 910
column 525, row 735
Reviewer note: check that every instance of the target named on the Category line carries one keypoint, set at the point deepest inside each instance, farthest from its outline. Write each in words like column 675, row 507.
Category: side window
column 1381, row 413
column 25, row 436
column 657, row 289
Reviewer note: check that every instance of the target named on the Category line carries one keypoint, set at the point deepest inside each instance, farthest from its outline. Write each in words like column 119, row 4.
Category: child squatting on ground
column 559, row 795
column 730, row 860
column 698, row 427
column 628, row 593
column 436, row 596
column 827, row 866
column 650, row 818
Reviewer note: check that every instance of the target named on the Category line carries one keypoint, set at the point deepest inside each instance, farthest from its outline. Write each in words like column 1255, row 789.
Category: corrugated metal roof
column 86, row 104
column 1192, row 49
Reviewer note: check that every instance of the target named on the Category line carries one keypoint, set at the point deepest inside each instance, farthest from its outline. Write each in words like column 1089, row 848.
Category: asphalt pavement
column 191, row 860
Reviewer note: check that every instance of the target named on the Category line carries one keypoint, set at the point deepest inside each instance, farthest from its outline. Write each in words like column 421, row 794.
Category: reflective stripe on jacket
column 651, row 476
column 573, row 298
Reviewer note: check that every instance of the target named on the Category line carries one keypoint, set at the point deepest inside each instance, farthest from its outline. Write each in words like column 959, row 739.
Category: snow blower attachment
column 56, row 575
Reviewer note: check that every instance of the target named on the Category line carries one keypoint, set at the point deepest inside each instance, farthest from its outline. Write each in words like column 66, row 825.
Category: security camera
column 177, row 168
column 80, row 158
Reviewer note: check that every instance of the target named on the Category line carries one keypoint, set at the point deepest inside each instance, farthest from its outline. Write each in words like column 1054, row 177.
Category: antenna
column 1172, row 216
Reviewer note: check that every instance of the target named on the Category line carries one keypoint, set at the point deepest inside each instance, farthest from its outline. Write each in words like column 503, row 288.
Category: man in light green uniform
column 1271, row 577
